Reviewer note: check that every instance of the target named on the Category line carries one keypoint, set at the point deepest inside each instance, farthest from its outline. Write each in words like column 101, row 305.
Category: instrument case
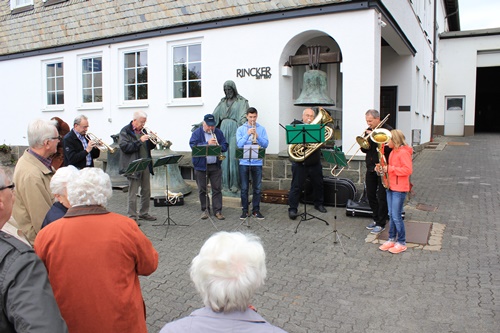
column 361, row 208
column 275, row 196
column 161, row 201
column 345, row 190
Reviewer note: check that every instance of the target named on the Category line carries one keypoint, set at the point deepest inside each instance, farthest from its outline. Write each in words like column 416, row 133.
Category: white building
column 107, row 59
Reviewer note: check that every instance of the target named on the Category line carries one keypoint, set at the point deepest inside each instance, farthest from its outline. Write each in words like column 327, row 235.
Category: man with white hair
column 135, row 145
column 32, row 177
column 230, row 267
column 96, row 279
column 27, row 301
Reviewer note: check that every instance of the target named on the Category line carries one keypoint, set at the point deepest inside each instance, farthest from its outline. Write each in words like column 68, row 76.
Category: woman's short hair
column 91, row 186
column 230, row 267
column 398, row 138
column 40, row 130
column 60, row 179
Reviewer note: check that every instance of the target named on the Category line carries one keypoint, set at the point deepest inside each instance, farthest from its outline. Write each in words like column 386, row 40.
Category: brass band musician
column 374, row 189
column 78, row 150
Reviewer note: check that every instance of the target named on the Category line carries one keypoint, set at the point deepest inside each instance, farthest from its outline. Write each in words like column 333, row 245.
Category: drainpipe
column 434, row 62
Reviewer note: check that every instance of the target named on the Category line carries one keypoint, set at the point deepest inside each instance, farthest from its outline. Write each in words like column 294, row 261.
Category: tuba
column 101, row 145
column 381, row 136
column 299, row 152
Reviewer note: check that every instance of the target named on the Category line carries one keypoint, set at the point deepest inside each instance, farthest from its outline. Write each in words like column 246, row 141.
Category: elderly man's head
column 91, row 186
column 59, row 182
column 7, row 196
column 43, row 137
column 230, row 267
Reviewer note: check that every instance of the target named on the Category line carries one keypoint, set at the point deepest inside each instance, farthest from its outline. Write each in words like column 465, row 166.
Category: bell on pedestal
column 314, row 88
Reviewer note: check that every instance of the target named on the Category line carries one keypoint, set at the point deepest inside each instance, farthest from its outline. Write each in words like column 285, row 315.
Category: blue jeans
column 256, row 173
column 395, row 202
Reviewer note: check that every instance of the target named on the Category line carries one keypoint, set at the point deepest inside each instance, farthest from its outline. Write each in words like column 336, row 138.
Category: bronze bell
column 314, row 90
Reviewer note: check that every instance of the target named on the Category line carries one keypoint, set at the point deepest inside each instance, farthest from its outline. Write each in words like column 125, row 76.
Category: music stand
column 169, row 159
column 250, row 152
column 302, row 134
column 137, row 166
column 335, row 156
column 204, row 151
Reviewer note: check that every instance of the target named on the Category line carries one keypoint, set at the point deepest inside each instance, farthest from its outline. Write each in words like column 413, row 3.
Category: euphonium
column 299, row 152
column 154, row 138
column 381, row 136
column 99, row 143
column 221, row 157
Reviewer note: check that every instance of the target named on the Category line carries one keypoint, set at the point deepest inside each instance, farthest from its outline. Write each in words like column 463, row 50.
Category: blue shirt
column 243, row 138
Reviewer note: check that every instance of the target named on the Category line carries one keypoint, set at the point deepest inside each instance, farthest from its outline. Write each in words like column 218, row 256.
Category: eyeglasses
column 12, row 186
column 56, row 138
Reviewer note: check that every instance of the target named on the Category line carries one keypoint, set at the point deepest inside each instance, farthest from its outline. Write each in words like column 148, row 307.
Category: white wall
column 458, row 59
column 223, row 52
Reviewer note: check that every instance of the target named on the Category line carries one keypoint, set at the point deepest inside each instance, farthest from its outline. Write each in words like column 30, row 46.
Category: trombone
column 101, row 145
column 154, row 138
column 363, row 142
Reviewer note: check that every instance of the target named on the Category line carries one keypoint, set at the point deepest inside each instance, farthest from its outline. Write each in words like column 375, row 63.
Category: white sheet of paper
column 250, row 149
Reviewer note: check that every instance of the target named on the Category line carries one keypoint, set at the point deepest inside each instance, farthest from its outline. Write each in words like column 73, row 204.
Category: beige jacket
column 33, row 195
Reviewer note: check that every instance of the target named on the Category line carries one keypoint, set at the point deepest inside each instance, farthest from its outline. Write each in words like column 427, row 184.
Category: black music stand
column 169, row 159
column 137, row 166
column 204, row 151
column 302, row 134
column 250, row 152
column 335, row 156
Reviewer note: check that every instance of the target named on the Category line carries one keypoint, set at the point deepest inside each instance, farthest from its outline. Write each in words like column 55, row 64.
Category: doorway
column 487, row 113
column 388, row 104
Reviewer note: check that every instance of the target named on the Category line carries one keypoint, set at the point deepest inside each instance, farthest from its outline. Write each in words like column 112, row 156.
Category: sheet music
column 250, row 151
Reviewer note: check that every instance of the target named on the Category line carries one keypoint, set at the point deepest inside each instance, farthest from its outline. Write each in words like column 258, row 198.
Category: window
column 135, row 75
column 187, row 71
column 92, row 80
column 55, row 83
column 21, row 5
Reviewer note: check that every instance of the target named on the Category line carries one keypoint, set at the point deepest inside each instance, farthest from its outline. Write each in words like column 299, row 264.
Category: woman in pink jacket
column 399, row 169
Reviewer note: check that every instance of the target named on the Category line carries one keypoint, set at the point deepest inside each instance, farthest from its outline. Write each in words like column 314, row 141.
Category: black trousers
column 377, row 198
column 299, row 174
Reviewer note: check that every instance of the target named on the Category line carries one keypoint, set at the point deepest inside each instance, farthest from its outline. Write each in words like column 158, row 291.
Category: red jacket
column 94, row 259
column 400, row 167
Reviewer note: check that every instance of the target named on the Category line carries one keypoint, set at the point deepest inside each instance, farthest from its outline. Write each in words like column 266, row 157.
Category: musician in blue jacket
column 209, row 167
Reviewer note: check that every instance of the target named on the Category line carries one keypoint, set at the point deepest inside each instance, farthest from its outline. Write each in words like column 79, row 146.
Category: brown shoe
column 219, row 216
column 204, row 215
column 147, row 217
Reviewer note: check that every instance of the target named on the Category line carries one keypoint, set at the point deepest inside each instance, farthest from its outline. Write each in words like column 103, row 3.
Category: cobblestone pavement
column 313, row 286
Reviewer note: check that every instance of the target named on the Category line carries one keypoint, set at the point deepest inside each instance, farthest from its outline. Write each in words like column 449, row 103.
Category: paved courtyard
column 313, row 286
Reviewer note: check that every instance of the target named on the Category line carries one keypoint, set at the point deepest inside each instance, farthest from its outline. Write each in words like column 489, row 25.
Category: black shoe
column 320, row 208
column 258, row 215
column 292, row 214
column 244, row 215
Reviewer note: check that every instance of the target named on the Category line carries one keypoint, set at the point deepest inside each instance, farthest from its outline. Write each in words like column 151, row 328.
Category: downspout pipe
column 434, row 62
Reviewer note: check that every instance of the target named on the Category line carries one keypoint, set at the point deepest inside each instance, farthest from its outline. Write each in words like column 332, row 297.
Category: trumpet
column 154, row 138
column 101, row 145
column 221, row 157
column 363, row 142
column 254, row 135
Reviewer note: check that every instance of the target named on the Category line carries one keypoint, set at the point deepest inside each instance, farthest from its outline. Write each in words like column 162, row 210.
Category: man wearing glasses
column 32, row 178
column 78, row 150
column 28, row 303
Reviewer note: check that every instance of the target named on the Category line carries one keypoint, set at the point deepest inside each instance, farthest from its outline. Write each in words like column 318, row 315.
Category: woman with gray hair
column 104, row 254
column 228, row 270
column 58, row 187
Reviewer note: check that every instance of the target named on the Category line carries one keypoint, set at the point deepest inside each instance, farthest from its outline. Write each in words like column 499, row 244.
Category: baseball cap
column 209, row 119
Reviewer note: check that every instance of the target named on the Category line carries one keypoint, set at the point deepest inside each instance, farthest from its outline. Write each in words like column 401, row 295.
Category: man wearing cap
column 209, row 168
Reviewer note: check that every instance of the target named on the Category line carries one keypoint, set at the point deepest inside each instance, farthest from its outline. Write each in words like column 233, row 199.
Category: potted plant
column 5, row 154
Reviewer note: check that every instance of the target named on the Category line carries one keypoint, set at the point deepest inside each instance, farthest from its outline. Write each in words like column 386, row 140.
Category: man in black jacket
column 311, row 167
column 135, row 145
column 374, row 189
column 78, row 150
